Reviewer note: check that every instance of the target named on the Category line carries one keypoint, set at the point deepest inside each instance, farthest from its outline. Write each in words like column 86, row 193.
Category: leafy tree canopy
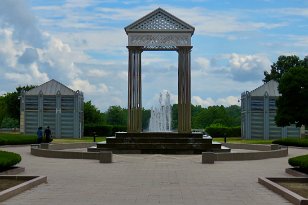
column 283, row 64
column 10, row 104
column 292, row 104
column 92, row 115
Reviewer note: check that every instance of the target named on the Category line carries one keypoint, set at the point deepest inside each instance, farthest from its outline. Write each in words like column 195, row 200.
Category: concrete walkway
column 150, row 179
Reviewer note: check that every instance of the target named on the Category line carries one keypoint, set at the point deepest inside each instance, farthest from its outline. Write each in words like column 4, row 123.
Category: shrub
column 8, row 159
column 292, row 142
column 16, row 139
column 102, row 130
column 8, row 122
column 299, row 161
column 219, row 131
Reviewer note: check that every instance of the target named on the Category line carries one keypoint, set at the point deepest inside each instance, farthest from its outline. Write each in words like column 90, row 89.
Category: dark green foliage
column 8, row 159
column 226, row 116
column 283, row 64
column 217, row 130
column 174, row 114
column 291, row 73
column 116, row 115
column 292, row 142
column 292, row 104
column 146, row 114
column 92, row 114
column 299, row 161
column 103, row 130
column 10, row 105
column 9, row 122
column 16, row 139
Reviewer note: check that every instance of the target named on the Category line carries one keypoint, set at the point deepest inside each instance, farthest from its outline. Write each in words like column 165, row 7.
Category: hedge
column 221, row 131
column 292, row 142
column 16, row 139
column 103, row 130
column 8, row 159
column 300, row 161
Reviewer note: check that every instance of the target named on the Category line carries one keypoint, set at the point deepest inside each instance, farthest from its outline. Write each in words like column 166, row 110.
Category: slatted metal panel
column 257, row 104
column 49, row 120
column 67, row 116
column 67, row 124
column 49, row 114
column 257, row 125
column 49, row 104
column 31, row 122
column 274, row 131
column 31, row 103
column 293, row 131
column 272, row 105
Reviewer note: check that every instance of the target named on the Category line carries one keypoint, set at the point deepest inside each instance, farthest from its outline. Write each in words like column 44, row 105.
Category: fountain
column 160, row 120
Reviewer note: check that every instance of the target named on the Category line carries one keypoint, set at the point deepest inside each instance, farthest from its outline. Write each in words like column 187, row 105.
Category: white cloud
column 203, row 62
column 18, row 77
column 248, row 67
column 83, row 85
column 103, row 88
column 38, row 76
column 230, row 100
column 97, row 73
column 33, row 77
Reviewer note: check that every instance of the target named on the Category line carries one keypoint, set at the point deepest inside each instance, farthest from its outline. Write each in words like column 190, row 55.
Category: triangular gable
column 51, row 88
column 270, row 87
column 159, row 20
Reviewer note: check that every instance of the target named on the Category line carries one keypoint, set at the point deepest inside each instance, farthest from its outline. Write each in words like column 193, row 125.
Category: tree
column 174, row 117
column 10, row 104
column 234, row 115
column 116, row 115
column 292, row 104
column 92, row 115
column 283, row 64
column 146, row 114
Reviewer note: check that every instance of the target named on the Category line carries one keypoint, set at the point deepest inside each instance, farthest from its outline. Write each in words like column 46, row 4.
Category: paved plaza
column 150, row 179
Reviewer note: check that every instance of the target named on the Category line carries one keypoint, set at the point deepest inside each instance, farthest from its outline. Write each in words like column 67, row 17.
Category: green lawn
column 74, row 140
column 16, row 138
column 243, row 141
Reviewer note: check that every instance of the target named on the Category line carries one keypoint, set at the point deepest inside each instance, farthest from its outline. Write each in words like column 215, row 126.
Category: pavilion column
column 184, row 89
column 134, row 123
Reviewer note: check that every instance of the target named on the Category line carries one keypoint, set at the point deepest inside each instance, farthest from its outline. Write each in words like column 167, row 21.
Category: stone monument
column 158, row 31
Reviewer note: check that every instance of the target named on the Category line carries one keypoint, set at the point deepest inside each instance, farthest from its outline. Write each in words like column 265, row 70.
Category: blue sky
column 82, row 44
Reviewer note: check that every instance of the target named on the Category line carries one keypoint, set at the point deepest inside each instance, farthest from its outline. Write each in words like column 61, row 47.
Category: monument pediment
column 159, row 30
column 159, row 21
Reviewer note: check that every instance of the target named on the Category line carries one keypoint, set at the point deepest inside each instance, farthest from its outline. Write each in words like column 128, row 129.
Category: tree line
column 201, row 117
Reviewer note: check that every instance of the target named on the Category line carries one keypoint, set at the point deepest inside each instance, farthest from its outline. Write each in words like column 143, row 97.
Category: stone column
column 134, row 123
column 184, row 89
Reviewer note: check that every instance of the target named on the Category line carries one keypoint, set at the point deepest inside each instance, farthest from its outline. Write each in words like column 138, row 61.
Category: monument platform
column 158, row 143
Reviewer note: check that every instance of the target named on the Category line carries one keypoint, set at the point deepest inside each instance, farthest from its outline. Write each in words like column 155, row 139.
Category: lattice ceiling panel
column 160, row 21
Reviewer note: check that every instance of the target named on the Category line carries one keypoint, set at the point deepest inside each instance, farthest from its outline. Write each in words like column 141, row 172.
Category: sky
column 82, row 44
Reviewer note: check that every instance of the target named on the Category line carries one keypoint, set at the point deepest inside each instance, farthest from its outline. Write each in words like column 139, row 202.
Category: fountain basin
column 159, row 143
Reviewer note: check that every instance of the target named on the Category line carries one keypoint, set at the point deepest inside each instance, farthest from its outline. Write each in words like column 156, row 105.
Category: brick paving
column 150, row 179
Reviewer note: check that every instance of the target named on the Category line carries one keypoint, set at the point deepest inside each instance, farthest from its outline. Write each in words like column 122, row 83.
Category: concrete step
column 178, row 146
column 158, row 135
column 114, row 140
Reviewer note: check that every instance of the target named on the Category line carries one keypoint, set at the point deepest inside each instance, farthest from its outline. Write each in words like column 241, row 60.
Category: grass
column 16, row 139
column 243, row 141
column 299, row 142
column 8, row 159
column 19, row 139
column 74, row 140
